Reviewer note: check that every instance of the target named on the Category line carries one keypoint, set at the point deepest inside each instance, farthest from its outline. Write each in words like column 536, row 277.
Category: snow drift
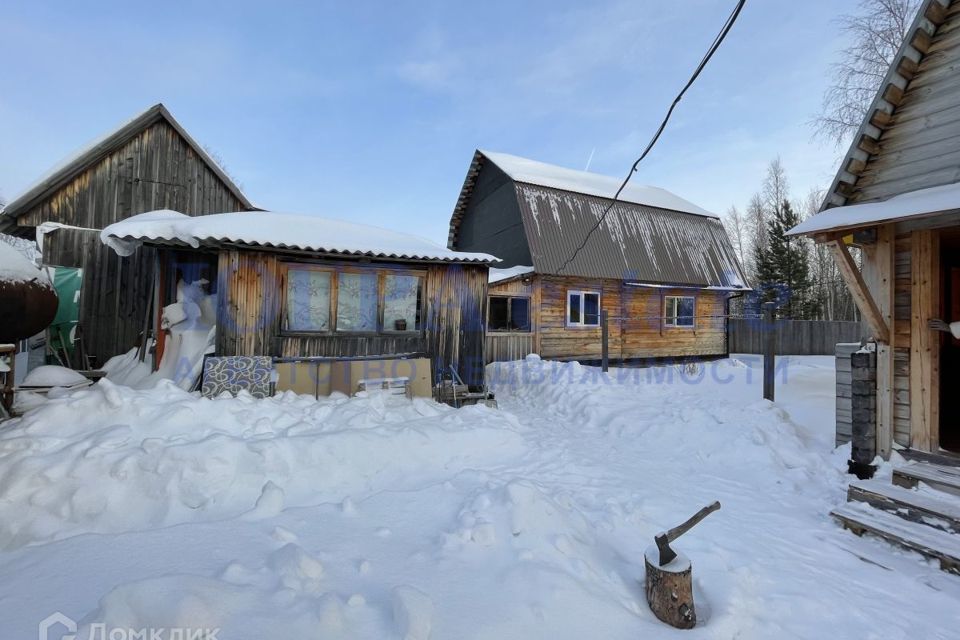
column 110, row 458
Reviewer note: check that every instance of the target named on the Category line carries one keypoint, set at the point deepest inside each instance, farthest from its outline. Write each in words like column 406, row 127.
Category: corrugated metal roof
column 635, row 242
column 278, row 231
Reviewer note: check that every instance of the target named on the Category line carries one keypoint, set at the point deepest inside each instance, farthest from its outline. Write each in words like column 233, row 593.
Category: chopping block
column 669, row 576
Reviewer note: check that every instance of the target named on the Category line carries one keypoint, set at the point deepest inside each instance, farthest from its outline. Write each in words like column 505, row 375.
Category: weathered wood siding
column 156, row 169
column 920, row 146
column 636, row 322
column 844, row 411
column 792, row 337
column 248, row 322
column 503, row 346
column 115, row 292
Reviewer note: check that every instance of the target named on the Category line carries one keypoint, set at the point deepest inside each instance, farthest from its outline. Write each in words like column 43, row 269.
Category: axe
column 664, row 539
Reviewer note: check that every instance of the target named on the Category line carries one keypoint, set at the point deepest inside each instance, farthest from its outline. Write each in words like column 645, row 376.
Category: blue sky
column 371, row 111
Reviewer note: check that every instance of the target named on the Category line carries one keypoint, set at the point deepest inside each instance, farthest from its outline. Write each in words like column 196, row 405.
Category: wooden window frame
column 508, row 296
column 335, row 270
column 581, row 324
column 666, row 317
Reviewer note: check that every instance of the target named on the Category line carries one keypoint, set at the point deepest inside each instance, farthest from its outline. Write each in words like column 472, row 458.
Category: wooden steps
column 926, row 540
column 930, row 508
column 941, row 477
column 926, row 520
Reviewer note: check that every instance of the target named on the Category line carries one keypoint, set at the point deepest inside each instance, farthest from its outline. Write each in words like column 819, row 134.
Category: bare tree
column 876, row 32
column 736, row 225
column 216, row 157
column 776, row 188
column 756, row 224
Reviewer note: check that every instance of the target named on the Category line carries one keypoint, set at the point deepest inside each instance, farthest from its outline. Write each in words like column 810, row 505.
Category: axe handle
column 681, row 529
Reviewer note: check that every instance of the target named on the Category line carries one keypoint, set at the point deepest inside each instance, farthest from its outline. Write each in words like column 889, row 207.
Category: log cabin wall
column 636, row 326
column 453, row 308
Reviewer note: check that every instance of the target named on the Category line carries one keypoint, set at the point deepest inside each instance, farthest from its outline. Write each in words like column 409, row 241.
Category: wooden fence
column 793, row 337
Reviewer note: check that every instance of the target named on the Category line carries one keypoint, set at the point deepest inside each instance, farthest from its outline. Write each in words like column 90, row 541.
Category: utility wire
column 703, row 63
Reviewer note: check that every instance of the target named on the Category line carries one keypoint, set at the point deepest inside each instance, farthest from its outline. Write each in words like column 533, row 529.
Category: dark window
column 583, row 309
column 520, row 314
column 508, row 314
column 679, row 311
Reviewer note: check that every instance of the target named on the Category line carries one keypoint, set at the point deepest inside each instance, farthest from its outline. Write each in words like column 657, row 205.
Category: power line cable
column 717, row 41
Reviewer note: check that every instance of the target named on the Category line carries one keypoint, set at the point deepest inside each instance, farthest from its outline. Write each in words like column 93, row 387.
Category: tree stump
column 670, row 589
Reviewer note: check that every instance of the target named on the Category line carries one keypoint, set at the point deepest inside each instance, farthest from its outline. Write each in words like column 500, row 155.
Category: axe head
column 666, row 553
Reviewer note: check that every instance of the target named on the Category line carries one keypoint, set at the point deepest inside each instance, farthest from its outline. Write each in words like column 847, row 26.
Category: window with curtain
column 308, row 300
column 357, row 297
column 401, row 302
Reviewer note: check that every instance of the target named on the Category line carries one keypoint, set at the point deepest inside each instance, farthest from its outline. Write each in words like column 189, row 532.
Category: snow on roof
column 498, row 275
column 922, row 202
column 281, row 231
column 15, row 267
column 594, row 184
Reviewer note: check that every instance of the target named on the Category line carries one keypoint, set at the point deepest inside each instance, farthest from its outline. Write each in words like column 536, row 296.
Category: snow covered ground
column 379, row 517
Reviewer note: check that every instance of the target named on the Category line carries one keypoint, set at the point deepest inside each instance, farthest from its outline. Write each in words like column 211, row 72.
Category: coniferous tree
column 783, row 269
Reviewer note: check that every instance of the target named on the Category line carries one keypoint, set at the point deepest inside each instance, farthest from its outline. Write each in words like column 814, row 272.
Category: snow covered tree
column 876, row 32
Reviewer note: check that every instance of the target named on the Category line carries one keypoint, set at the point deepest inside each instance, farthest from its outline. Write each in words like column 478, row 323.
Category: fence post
column 604, row 341
column 769, row 343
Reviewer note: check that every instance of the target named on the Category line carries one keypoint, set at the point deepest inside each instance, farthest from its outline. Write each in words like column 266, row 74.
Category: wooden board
column 928, row 541
column 917, row 506
column 940, row 477
column 924, row 342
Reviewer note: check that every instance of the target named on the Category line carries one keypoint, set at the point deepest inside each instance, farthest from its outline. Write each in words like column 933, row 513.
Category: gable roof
column 278, row 231
column 881, row 114
column 650, row 235
column 68, row 168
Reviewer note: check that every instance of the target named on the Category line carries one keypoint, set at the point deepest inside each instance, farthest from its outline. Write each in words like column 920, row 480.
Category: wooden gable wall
column 156, row 169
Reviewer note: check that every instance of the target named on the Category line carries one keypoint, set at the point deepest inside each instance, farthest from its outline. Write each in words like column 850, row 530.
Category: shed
column 302, row 288
column 896, row 196
column 662, row 267
column 147, row 163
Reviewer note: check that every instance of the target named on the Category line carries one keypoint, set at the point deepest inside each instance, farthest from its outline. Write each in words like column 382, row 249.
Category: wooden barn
column 896, row 197
column 148, row 163
column 309, row 291
column 662, row 268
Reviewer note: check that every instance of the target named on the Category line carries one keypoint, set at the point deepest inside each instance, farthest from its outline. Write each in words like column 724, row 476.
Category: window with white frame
column 679, row 311
column 583, row 309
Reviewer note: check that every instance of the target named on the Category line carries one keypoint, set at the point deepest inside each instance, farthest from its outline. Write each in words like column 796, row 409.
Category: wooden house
column 148, row 163
column 896, row 196
column 662, row 268
column 309, row 291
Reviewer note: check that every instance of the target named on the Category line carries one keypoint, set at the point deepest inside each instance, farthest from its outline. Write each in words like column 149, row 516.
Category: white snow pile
column 191, row 329
column 50, row 375
column 111, row 459
column 15, row 267
column 921, row 202
column 282, row 230
column 498, row 275
column 380, row 517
